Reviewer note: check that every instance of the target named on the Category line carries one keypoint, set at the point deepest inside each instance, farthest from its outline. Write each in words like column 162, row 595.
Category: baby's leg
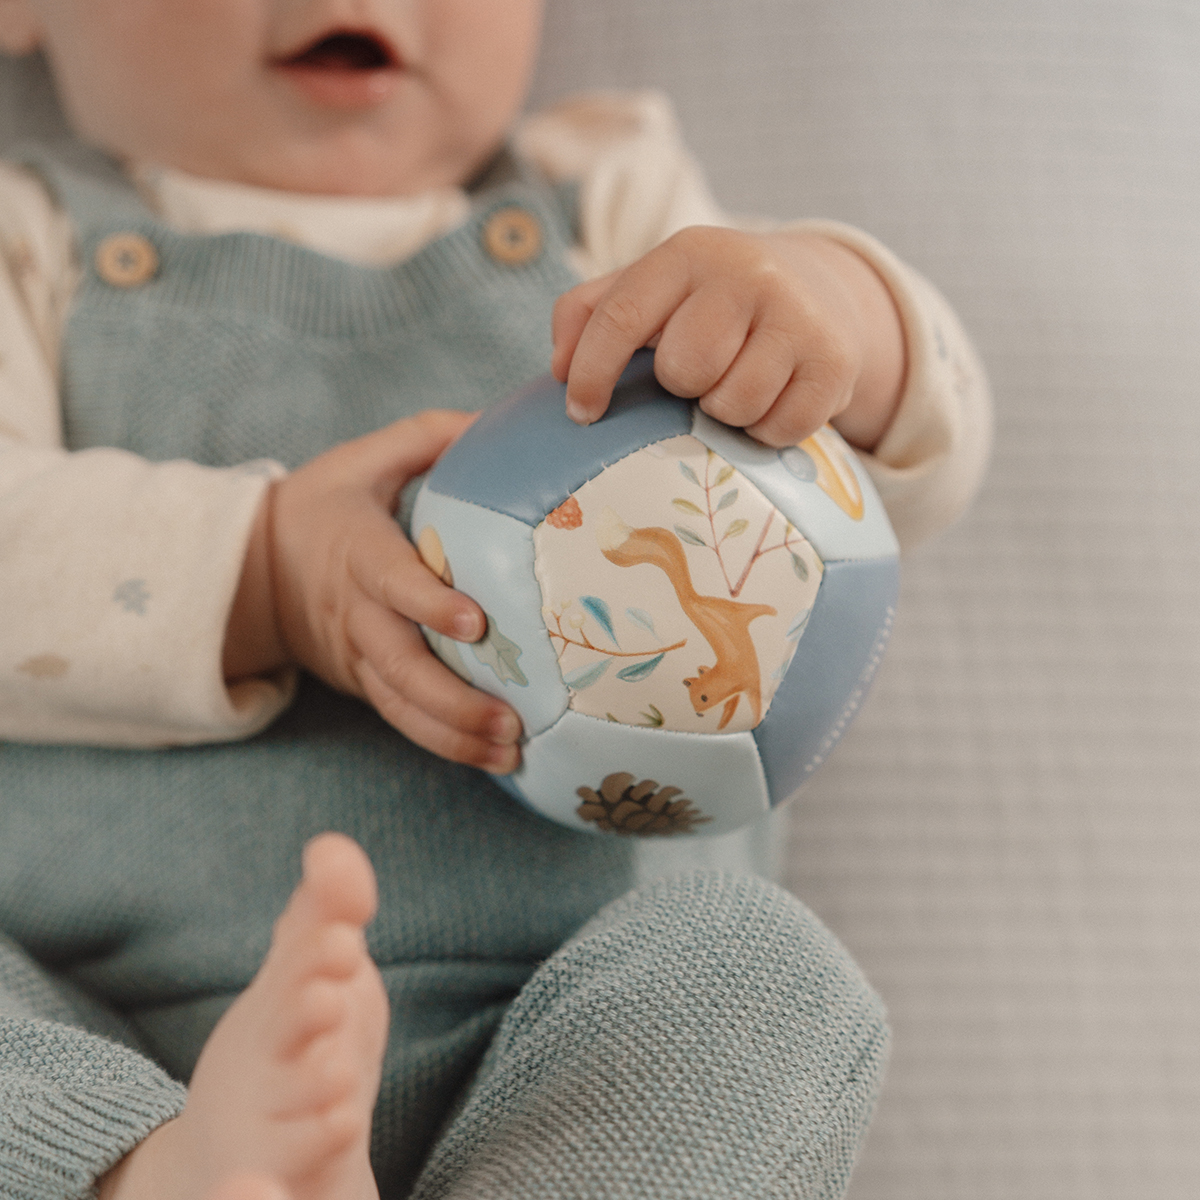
column 74, row 1092
column 286, row 1083
column 703, row 1038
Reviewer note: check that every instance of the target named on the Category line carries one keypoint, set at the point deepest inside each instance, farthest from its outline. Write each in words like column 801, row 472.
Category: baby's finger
column 388, row 458
column 398, row 655
column 435, row 735
column 700, row 341
column 388, row 569
column 763, row 367
column 572, row 311
column 820, row 387
column 632, row 311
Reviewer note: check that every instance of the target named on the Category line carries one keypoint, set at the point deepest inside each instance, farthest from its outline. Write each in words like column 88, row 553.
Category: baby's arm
column 639, row 186
column 115, row 572
column 118, row 575
column 776, row 332
column 329, row 582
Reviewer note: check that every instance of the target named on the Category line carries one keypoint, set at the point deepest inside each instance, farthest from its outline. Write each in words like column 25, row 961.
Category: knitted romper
column 553, row 1034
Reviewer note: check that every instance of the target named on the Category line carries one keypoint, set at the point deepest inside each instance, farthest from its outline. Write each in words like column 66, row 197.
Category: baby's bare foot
column 285, row 1085
column 250, row 1187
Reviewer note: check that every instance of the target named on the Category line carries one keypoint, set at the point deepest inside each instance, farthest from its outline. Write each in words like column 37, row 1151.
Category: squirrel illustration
column 724, row 624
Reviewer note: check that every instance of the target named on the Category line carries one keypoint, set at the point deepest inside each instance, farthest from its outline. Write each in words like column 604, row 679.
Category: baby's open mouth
column 348, row 69
column 345, row 51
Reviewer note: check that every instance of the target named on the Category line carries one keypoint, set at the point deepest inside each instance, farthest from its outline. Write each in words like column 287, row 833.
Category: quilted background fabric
column 1009, row 838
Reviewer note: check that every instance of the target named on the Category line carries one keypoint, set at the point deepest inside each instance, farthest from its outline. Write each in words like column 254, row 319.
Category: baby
column 315, row 236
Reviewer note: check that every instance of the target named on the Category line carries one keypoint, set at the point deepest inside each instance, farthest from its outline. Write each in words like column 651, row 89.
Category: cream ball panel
column 674, row 591
column 820, row 485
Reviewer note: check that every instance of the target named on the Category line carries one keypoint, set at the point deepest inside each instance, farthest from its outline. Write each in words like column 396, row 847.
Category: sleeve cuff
column 114, row 635
column 931, row 460
column 638, row 182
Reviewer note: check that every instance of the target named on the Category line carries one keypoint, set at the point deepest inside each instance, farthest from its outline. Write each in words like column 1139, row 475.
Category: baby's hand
column 331, row 583
column 777, row 333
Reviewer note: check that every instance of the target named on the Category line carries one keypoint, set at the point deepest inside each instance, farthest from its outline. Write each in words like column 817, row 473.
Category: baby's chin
column 354, row 174
column 269, row 137
column 336, row 165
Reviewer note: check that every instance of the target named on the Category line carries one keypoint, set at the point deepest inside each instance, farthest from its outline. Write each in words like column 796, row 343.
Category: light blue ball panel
column 833, row 667
column 788, row 479
column 720, row 773
column 525, row 456
column 491, row 558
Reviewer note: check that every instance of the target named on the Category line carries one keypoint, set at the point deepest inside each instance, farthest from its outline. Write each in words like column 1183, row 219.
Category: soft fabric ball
column 685, row 620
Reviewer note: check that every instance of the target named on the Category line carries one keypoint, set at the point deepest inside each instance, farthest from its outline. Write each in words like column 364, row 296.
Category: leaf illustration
column 727, row 499
column 799, row 624
column 692, row 539
column 799, row 567
column 688, row 507
column 640, row 617
column 600, row 610
column 653, row 718
column 722, row 475
column 586, row 676
column 501, row 654
column 688, row 473
column 736, row 528
column 640, row 670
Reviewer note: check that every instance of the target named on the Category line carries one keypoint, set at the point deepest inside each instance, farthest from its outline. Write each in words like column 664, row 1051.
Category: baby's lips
column 345, row 50
column 344, row 68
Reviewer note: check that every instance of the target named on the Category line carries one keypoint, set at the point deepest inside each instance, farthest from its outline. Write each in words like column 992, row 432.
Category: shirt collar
column 373, row 231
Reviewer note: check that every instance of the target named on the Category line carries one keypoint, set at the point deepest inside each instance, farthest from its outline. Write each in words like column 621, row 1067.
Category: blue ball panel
column 491, row 557
column 834, row 664
column 834, row 534
column 720, row 773
column 525, row 456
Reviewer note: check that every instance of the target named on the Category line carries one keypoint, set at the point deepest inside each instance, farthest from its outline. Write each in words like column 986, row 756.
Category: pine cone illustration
column 623, row 807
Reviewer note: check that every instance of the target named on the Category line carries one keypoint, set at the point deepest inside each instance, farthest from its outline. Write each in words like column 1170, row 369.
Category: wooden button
column 513, row 236
column 126, row 260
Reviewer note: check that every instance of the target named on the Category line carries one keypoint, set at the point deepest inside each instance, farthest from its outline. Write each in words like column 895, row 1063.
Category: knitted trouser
column 700, row 1037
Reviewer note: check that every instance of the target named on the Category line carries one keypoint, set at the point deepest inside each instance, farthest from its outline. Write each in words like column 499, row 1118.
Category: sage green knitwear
column 75, row 1093
column 138, row 888
column 703, row 1037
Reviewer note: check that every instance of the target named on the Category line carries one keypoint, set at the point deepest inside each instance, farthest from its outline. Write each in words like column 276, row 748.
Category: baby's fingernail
column 501, row 760
column 577, row 412
column 505, row 728
column 467, row 627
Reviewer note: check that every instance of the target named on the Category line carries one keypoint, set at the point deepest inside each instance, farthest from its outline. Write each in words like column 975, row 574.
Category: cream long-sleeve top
column 117, row 574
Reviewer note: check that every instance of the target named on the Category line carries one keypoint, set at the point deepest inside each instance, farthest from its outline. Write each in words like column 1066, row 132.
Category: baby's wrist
column 253, row 642
column 854, row 307
column 880, row 383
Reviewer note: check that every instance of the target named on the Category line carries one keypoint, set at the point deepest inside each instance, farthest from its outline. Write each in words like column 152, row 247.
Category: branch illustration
column 585, row 643
column 735, row 528
column 760, row 551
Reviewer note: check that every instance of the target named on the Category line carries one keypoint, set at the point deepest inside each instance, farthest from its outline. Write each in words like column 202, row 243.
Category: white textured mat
column 1009, row 840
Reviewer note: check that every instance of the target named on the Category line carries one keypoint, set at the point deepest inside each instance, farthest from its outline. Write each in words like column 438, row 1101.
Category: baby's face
column 357, row 97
